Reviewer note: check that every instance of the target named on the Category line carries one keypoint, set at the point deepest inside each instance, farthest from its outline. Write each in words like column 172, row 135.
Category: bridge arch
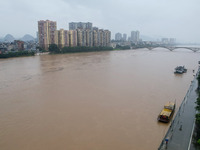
column 151, row 48
column 174, row 48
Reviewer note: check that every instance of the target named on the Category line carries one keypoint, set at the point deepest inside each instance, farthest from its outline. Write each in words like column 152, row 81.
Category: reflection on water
column 98, row 100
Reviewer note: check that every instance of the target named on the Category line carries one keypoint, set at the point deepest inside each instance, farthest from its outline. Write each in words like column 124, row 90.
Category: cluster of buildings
column 135, row 37
column 168, row 41
column 120, row 37
column 79, row 34
column 17, row 45
column 135, row 40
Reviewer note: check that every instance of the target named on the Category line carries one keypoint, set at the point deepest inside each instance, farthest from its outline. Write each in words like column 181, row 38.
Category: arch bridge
column 194, row 49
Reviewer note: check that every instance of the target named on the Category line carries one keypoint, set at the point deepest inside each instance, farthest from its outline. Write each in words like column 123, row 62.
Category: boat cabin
column 167, row 112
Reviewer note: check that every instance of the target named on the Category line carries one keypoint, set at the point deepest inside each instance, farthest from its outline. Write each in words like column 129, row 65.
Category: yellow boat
column 167, row 112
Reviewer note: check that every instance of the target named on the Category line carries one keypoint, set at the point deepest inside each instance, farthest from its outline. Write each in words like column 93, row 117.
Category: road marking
column 191, row 135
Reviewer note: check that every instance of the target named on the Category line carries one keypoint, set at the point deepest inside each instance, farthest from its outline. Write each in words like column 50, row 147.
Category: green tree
column 53, row 48
column 198, row 118
column 198, row 141
column 198, row 78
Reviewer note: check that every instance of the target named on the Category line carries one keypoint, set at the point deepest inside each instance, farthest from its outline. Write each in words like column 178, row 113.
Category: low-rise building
column 19, row 45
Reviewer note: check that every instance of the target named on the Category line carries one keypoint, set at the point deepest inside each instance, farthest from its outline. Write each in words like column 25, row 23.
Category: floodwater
column 90, row 101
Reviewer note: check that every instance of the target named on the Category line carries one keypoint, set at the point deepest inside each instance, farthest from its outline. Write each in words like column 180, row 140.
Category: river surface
column 90, row 101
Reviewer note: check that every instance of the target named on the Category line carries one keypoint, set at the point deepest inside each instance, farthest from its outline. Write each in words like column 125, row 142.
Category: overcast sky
column 166, row 18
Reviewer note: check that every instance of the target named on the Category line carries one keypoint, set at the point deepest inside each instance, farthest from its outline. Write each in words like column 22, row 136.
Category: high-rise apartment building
column 66, row 38
column 135, row 35
column 81, row 37
column 60, row 34
column 107, row 37
column 63, row 38
column 82, row 34
column 72, row 38
column 80, row 25
column 95, row 36
column 118, row 36
column 124, row 37
column 89, row 38
column 101, row 37
column 47, row 33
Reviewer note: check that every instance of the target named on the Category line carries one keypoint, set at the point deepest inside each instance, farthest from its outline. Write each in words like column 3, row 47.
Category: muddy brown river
column 90, row 101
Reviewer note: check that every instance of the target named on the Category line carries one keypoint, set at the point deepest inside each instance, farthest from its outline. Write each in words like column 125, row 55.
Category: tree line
column 54, row 49
column 122, row 47
column 17, row 54
column 197, row 133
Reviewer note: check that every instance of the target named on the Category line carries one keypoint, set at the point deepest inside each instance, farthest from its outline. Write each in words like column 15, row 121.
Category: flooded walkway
column 179, row 135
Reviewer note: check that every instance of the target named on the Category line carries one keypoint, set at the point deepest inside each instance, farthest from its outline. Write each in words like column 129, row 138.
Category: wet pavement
column 179, row 135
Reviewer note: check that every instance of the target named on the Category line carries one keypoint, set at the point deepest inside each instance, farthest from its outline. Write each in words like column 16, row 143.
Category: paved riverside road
column 180, row 132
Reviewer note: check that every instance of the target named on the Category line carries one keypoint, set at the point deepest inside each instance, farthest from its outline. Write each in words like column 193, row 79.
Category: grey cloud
column 167, row 18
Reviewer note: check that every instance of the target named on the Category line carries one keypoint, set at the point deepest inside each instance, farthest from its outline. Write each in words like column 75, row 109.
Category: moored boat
column 167, row 112
column 180, row 69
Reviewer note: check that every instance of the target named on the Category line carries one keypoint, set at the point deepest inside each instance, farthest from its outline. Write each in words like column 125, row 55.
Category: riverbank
column 196, row 133
column 53, row 49
column 17, row 54
column 179, row 134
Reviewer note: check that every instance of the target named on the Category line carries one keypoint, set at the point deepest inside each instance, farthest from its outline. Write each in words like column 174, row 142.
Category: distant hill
column 8, row 38
column 27, row 37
